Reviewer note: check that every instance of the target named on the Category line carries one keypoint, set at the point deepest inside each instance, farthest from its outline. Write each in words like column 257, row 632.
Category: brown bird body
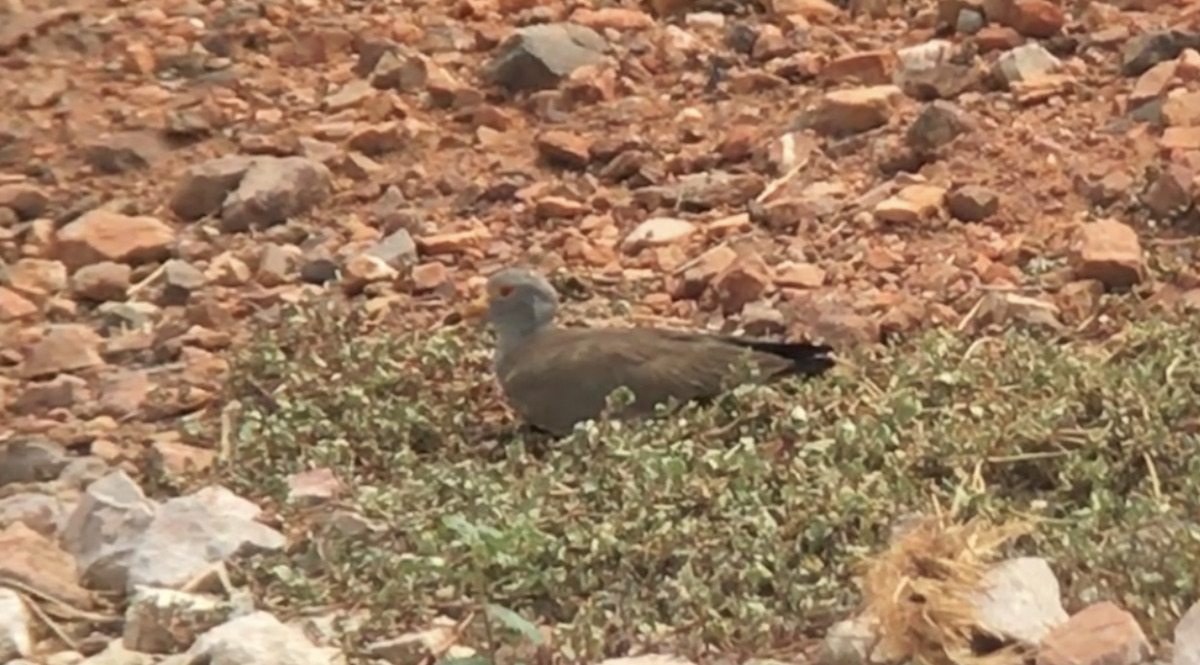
column 556, row 377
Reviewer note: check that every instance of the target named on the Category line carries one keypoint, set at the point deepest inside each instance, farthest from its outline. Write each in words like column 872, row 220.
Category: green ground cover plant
column 739, row 525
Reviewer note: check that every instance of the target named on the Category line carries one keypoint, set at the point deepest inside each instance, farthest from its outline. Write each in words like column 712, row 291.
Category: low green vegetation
column 739, row 525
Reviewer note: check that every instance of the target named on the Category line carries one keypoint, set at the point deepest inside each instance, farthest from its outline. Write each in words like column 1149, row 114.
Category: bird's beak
column 475, row 309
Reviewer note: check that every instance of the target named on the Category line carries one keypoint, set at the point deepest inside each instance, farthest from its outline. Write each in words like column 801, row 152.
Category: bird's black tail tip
column 812, row 359
column 807, row 358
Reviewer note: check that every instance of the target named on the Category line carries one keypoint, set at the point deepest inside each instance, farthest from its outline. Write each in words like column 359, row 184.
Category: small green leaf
column 515, row 622
column 461, row 526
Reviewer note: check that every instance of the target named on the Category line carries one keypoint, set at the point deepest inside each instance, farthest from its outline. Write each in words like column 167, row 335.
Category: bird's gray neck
column 511, row 337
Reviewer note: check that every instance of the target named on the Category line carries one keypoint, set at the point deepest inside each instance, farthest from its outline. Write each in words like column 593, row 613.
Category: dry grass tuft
column 920, row 591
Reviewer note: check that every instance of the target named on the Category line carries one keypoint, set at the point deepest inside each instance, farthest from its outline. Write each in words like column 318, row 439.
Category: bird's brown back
column 563, row 375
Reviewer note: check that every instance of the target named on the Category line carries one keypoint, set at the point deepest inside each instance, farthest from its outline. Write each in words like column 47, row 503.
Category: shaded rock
column 128, row 151
column 273, row 190
column 104, row 529
column 538, row 57
column 31, row 460
column 1150, row 48
column 204, row 187
column 101, row 282
column 180, row 280
column 40, row 512
column 972, row 203
column 939, row 123
column 27, row 200
column 703, row 270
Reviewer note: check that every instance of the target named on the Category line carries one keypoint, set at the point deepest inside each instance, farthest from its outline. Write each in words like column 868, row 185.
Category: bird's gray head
column 519, row 303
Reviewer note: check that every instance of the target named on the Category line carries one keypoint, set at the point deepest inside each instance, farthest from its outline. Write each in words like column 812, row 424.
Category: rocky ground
column 172, row 172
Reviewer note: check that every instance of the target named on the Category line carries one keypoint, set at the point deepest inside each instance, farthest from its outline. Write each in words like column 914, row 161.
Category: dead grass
column 920, row 590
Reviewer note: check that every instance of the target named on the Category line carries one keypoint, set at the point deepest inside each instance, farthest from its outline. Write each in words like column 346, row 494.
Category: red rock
column 1182, row 109
column 618, row 18
column 37, row 277
column 1152, row 84
column 1037, row 18
column 38, row 562
column 559, row 207
column 14, row 306
column 866, row 68
column 450, row 243
column 564, row 148
column 701, row 273
column 102, row 281
column 1100, row 634
column 176, row 459
column 742, row 282
column 1180, row 138
column 429, row 276
column 64, row 348
column 1110, row 252
column 103, row 235
column 998, row 38
column 799, row 275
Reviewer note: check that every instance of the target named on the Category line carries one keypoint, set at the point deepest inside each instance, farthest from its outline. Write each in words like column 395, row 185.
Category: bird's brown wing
column 563, row 376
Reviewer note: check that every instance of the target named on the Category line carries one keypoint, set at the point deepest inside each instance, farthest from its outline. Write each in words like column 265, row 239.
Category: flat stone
column 254, row 639
column 65, row 347
column 1025, row 63
column 104, row 235
column 1020, row 601
column 855, row 110
column 799, row 275
column 16, row 627
column 657, row 231
column 1187, row 638
column 912, row 204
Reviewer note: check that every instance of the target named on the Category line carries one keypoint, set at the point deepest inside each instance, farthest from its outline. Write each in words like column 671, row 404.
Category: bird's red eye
column 505, row 290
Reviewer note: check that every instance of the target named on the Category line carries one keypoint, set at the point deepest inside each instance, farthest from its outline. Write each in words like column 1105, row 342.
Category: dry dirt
column 818, row 199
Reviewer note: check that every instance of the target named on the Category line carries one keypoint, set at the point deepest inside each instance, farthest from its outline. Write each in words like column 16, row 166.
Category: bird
column 555, row 377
